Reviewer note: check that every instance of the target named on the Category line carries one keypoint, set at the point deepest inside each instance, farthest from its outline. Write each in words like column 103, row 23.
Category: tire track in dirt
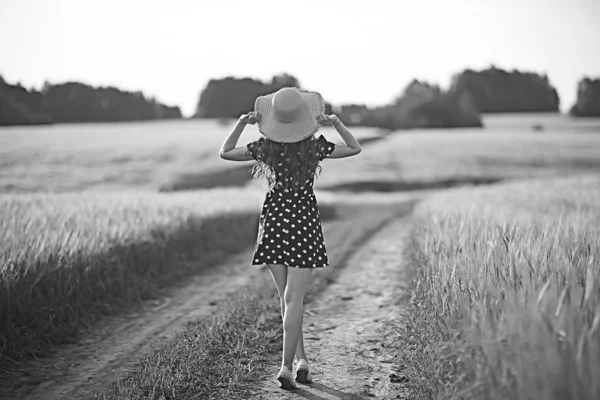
column 348, row 328
column 111, row 349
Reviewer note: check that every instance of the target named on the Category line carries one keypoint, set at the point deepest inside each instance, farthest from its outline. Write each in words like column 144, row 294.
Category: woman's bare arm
column 228, row 150
column 352, row 146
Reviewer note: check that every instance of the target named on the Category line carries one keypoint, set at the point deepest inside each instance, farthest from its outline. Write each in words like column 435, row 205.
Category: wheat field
column 431, row 156
column 67, row 258
column 142, row 155
column 506, row 296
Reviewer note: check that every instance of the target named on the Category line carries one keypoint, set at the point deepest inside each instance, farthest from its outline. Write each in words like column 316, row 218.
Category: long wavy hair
column 287, row 165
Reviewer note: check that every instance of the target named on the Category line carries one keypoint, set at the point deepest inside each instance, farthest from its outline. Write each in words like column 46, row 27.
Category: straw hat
column 289, row 115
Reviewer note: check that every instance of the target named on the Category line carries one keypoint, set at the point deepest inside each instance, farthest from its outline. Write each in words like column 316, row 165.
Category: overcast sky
column 351, row 51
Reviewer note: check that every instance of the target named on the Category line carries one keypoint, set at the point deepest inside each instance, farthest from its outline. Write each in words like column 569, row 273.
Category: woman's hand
column 325, row 119
column 250, row 118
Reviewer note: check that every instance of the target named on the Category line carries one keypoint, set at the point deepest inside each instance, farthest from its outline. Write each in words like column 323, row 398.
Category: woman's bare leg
column 279, row 273
column 297, row 281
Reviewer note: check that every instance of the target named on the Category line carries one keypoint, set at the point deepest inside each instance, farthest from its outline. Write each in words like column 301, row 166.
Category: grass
column 213, row 359
column 506, row 293
column 66, row 259
column 75, row 157
column 434, row 158
column 142, row 155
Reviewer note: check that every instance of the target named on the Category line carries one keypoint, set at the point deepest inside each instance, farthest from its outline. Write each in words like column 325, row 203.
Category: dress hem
column 292, row 266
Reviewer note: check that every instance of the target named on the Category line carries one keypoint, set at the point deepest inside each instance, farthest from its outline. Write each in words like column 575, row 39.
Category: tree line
column 420, row 104
column 77, row 102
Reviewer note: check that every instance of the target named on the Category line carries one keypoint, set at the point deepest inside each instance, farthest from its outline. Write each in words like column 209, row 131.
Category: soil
column 348, row 339
column 349, row 328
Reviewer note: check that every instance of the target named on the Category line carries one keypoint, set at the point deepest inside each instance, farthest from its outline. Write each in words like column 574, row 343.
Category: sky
column 363, row 51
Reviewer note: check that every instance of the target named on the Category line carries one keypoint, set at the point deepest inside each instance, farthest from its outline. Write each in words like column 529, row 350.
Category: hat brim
column 305, row 126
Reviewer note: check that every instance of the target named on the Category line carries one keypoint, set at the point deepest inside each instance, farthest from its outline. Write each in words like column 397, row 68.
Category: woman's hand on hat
column 250, row 118
column 325, row 119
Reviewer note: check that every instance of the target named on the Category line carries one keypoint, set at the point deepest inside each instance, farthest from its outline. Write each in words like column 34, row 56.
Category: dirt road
column 349, row 328
column 108, row 351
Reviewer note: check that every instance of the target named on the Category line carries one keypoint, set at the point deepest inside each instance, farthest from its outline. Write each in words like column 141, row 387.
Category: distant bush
column 450, row 109
column 420, row 106
column 588, row 98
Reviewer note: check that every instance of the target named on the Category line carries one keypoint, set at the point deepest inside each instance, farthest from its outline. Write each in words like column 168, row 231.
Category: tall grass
column 216, row 358
column 506, row 296
column 67, row 259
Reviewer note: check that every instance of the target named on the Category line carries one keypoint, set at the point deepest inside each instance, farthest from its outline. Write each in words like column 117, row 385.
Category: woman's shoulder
column 257, row 143
column 255, row 148
column 321, row 139
column 323, row 146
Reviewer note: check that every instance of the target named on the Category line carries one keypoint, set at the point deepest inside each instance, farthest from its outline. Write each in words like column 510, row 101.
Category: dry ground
column 349, row 335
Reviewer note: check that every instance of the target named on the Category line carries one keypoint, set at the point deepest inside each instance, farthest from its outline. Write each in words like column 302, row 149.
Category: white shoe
column 302, row 372
column 286, row 379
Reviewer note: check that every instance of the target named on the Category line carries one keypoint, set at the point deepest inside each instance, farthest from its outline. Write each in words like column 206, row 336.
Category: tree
column 588, row 98
column 230, row 97
column 495, row 90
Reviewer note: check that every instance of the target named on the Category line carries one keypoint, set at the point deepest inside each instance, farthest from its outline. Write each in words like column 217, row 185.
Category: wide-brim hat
column 289, row 115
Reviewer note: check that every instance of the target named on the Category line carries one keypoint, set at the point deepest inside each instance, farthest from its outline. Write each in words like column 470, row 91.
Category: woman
column 290, row 239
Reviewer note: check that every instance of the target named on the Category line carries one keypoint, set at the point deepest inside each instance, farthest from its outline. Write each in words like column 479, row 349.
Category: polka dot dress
column 289, row 230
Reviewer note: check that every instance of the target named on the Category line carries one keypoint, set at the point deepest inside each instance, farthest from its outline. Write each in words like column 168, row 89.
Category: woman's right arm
column 352, row 146
column 228, row 150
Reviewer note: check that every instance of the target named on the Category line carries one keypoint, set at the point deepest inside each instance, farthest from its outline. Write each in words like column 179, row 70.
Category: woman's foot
column 285, row 378
column 302, row 372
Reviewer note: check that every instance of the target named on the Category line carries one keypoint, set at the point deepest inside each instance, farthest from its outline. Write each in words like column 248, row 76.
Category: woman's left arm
column 228, row 150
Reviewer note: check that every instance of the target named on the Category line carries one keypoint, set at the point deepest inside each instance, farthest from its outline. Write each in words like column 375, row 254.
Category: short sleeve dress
column 289, row 230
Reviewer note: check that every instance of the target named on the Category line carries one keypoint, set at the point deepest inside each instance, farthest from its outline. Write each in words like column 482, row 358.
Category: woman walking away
column 290, row 239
